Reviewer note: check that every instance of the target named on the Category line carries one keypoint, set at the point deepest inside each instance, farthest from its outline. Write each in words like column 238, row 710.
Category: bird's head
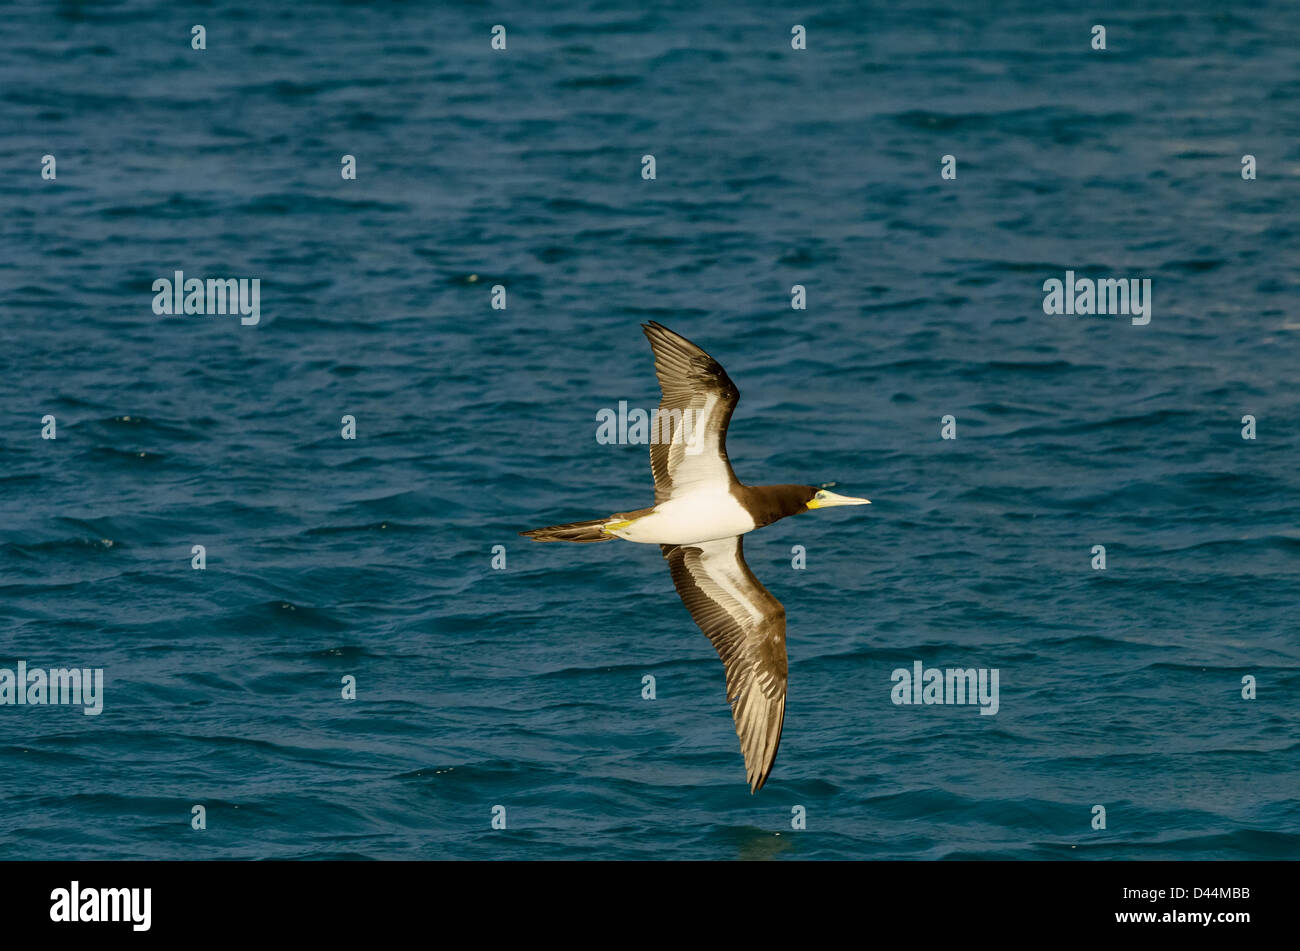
column 824, row 498
column 767, row 503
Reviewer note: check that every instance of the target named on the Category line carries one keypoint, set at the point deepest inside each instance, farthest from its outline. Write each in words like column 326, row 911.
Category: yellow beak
column 825, row 500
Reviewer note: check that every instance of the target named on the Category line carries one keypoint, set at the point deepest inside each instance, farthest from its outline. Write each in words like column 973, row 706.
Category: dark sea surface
column 522, row 687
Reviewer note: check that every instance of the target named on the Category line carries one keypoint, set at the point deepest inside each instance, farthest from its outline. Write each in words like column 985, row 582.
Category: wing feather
column 747, row 627
column 688, row 445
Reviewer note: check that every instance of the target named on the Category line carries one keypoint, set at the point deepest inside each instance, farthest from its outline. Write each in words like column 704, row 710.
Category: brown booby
column 701, row 511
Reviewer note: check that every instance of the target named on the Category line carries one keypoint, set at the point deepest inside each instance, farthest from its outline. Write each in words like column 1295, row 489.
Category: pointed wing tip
column 656, row 331
column 759, row 775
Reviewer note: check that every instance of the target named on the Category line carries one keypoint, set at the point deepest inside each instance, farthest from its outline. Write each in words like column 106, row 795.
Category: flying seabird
column 701, row 511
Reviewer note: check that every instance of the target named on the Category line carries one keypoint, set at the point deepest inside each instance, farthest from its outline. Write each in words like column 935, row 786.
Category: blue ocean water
column 522, row 686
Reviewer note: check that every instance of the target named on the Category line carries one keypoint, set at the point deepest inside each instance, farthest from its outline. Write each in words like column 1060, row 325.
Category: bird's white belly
column 698, row 517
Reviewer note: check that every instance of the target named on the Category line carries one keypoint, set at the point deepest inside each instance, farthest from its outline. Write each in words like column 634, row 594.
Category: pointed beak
column 825, row 500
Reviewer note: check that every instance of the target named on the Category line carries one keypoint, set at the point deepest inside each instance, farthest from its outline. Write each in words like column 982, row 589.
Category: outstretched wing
column 688, row 445
column 747, row 627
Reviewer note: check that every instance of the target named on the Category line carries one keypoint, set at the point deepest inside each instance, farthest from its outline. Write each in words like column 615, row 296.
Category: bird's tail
column 592, row 531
